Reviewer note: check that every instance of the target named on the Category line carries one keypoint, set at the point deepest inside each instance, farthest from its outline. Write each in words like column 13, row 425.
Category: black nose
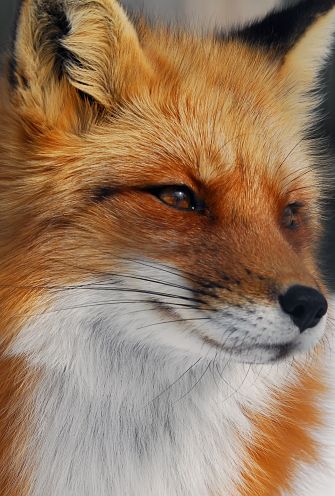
column 306, row 306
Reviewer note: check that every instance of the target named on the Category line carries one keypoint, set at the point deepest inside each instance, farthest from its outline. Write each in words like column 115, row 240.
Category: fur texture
column 143, row 347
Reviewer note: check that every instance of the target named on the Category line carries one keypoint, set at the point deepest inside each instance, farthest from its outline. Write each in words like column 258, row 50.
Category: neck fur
column 113, row 416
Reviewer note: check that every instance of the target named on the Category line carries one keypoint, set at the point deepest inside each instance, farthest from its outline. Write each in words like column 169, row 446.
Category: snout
column 306, row 306
column 263, row 333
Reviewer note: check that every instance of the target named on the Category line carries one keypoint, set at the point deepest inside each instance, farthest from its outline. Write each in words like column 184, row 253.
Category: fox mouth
column 258, row 353
column 261, row 353
column 250, row 337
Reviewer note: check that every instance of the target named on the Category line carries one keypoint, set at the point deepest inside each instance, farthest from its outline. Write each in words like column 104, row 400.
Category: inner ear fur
column 87, row 46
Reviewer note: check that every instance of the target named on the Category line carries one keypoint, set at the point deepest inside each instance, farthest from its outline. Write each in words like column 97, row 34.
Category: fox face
column 165, row 180
column 159, row 219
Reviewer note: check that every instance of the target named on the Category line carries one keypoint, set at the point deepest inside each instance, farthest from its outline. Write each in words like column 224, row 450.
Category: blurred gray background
column 225, row 13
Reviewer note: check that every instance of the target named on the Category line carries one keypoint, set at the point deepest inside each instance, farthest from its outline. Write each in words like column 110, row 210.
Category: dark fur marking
column 12, row 65
column 57, row 27
column 12, row 76
column 280, row 31
column 209, row 284
column 103, row 193
column 86, row 98
column 64, row 57
column 57, row 19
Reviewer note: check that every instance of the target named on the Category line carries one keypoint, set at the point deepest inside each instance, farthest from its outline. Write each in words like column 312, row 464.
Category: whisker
column 174, row 383
column 97, row 304
column 113, row 274
column 144, row 291
column 174, row 321
column 163, row 283
column 219, row 150
column 297, row 174
column 289, row 154
column 195, row 385
column 163, row 267
column 298, row 189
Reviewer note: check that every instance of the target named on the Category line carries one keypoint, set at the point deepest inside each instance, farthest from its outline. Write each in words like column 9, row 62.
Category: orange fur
column 169, row 109
column 16, row 387
column 284, row 439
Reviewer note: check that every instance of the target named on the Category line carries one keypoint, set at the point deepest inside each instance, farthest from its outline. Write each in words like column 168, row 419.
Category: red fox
column 164, row 327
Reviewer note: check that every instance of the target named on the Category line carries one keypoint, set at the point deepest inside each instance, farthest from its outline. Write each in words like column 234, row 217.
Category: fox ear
column 73, row 47
column 300, row 38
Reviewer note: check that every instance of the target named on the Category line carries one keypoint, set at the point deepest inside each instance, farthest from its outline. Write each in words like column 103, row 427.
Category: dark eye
column 291, row 217
column 179, row 197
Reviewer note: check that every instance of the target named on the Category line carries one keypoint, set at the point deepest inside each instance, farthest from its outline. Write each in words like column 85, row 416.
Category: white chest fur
column 115, row 417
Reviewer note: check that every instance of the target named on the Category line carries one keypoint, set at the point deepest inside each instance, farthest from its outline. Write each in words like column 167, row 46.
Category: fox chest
column 87, row 448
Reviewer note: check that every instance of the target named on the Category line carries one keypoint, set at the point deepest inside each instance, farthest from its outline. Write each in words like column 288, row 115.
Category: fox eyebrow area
column 102, row 193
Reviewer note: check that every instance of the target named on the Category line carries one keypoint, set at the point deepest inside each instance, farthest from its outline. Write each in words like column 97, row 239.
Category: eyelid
column 199, row 204
column 155, row 189
column 290, row 217
column 296, row 205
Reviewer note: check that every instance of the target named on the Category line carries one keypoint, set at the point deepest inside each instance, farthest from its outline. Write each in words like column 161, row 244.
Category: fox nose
column 306, row 306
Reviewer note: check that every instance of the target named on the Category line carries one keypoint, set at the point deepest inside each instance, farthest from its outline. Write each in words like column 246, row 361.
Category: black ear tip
column 281, row 30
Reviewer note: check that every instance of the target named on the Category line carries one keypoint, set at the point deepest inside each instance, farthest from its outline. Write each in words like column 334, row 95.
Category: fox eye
column 178, row 197
column 291, row 218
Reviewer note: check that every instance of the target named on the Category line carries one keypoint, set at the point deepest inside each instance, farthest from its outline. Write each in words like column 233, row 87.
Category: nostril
column 298, row 312
column 306, row 306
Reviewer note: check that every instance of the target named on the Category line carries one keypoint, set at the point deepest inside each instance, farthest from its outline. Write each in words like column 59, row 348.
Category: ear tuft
column 41, row 28
column 75, row 47
column 56, row 26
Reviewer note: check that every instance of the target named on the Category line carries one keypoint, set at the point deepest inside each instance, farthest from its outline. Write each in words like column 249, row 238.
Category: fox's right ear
column 299, row 38
column 64, row 48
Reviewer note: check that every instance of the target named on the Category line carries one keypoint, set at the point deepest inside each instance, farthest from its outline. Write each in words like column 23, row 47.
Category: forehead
column 207, row 137
column 212, row 118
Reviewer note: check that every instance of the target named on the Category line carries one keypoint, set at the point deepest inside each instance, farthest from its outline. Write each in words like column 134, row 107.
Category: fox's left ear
column 300, row 38
column 68, row 49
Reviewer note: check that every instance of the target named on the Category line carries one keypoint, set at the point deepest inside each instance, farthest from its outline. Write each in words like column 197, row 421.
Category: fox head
column 163, row 182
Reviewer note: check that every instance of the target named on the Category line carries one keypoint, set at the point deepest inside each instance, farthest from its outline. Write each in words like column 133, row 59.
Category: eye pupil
column 179, row 197
column 291, row 216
